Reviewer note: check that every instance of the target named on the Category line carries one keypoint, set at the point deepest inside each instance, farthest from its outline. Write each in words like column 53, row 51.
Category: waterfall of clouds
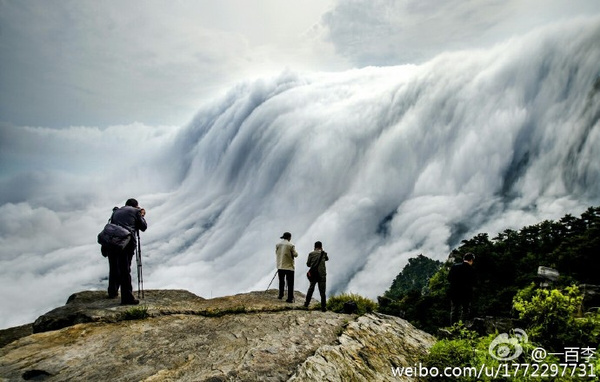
column 380, row 164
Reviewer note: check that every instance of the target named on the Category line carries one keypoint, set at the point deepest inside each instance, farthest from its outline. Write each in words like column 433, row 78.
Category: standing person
column 462, row 281
column 285, row 253
column 316, row 260
column 131, row 217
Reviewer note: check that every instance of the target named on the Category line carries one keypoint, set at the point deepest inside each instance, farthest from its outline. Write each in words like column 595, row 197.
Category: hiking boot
column 132, row 302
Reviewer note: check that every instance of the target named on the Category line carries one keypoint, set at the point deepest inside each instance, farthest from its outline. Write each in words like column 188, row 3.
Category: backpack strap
column 111, row 215
column 318, row 262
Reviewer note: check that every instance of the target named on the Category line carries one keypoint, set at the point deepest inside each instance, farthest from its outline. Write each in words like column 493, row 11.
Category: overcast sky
column 101, row 63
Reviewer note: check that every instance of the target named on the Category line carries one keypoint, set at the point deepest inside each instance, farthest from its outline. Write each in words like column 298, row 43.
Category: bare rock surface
column 93, row 306
column 367, row 350
column 183, row 337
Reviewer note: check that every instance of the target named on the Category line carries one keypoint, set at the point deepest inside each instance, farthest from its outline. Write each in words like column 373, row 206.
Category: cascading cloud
column 380, row 164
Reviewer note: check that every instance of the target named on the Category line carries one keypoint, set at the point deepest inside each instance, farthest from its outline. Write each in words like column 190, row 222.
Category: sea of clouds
column 380, row 164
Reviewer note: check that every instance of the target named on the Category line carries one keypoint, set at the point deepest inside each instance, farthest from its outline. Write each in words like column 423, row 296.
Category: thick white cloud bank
column 380, row 164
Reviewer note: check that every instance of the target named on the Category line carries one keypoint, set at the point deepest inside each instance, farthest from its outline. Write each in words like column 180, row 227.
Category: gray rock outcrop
column 182, row 337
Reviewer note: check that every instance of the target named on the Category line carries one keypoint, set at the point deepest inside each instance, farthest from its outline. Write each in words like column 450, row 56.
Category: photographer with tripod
column 130, row 217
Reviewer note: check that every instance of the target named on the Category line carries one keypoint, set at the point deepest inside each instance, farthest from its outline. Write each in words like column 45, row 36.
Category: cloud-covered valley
column 379, row 163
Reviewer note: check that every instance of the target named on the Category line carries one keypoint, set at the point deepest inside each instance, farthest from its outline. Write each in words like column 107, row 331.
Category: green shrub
column 365, row 305
column 136, row 313
column 459, row 331
column 451, row 353
column 474, row 354
column 549, row 321
column 549, row 317
column 483, row 357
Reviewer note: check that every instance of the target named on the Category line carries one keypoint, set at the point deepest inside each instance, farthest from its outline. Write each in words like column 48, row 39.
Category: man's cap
column 286, row 235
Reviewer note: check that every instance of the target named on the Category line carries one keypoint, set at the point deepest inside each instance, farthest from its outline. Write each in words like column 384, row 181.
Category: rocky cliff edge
column 174, row 335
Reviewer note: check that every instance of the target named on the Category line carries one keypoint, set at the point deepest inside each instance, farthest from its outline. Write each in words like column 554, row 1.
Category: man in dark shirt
column 462, row 280
column 131, row 217
column 316, row 260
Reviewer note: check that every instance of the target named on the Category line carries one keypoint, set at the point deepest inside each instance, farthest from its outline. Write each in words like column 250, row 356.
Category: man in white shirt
column 285, row 253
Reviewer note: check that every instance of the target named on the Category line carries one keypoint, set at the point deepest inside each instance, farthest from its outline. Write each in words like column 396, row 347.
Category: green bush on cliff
column 136, row 313
column 549, row 316
column 364, row 305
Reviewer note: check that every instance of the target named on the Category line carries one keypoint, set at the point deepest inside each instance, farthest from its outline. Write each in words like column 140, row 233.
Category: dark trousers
column 286, row 276
column 114, row 278
column 311, row 289
column 124, row 266
column 460, row 309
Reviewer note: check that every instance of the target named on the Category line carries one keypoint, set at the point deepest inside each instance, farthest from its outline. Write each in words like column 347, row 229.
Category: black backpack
column 113, row 237
column 350, row 307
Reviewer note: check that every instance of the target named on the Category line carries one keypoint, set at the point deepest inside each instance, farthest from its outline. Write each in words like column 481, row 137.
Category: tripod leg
column 139, row 266
column 277, row 271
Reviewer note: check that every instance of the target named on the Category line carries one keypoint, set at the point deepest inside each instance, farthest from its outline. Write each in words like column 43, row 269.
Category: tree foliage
column 550, row 317
column 414, row 277
column 504, row 265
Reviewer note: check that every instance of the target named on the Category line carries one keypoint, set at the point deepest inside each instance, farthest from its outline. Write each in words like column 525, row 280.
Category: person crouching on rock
column 285, row 252
column 318, row 274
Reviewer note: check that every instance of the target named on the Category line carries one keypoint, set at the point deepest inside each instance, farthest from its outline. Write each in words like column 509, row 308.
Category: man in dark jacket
column 462, row 280
column 316, row 260
column 131, row 217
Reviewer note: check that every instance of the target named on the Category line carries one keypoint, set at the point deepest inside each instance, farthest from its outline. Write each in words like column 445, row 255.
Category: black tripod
column 138, row 259
column 277, row 271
